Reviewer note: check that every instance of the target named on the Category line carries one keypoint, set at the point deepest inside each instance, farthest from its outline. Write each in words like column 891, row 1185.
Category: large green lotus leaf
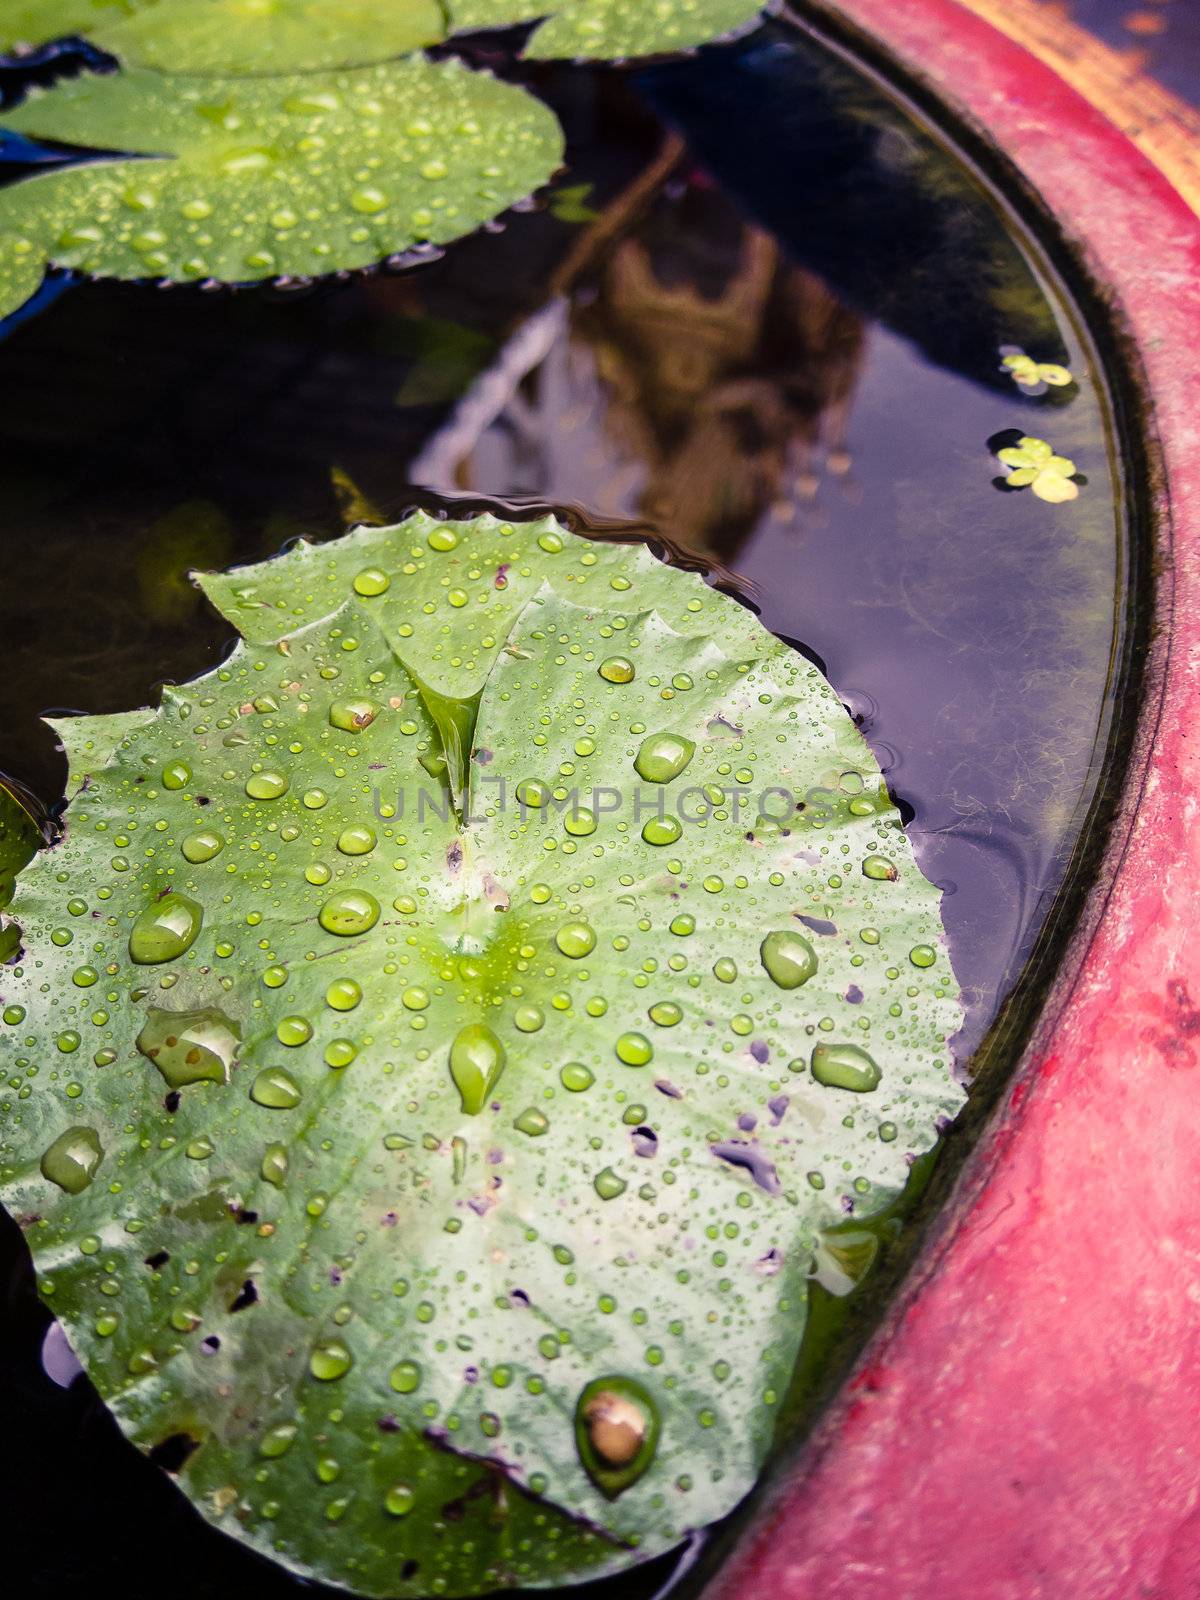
column 452, row 1178
column 272, row 36
column 609, row 29
column 272, row 176
column 34, row 22
column 446, row 592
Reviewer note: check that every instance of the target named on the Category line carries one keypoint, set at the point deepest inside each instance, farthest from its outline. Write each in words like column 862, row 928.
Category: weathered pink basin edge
column 1026, row 1424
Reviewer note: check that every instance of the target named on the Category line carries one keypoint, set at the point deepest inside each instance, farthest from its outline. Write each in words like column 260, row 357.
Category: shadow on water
column 758, row 323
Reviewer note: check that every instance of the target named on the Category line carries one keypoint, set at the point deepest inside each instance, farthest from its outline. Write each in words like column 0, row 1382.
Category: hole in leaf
column 171, row 1453
column 247, row 1296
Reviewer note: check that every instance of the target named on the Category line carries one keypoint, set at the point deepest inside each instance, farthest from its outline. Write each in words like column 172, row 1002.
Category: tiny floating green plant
column 1033, row 464
column 1034, row 376
column 446, row 1039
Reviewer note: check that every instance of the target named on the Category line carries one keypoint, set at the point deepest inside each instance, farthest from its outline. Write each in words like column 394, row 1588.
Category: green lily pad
column 609, row 29
column 271, row 36
column 26, row 23
column 234, row 36
column 292, row 176
column 494, row 997
column 279, row 36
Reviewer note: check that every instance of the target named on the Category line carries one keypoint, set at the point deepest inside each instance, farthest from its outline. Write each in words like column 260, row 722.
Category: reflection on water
column 761, row 314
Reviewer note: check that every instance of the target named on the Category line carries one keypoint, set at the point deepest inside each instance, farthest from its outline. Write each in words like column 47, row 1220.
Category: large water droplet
column 662, row 830
column 476, row 1062
column 399, row 1500
column 354, row 911
column 617, row 669
column 71, row 1161
column 616, row 1432
column 352, row 715
column 634, row 1049
column 165, row 929
column 266, row 785
column 275, row 1164
column 576, row 940
column 663, row 756
column 789, row 959
column 275, row 1089
column 405, row 1377
column 189, row 1046
column 330, row 1359
column 202, row 846
column 845, row 1066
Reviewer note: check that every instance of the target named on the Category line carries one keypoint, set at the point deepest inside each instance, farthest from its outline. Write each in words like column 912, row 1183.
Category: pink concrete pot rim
column 1023, row 1425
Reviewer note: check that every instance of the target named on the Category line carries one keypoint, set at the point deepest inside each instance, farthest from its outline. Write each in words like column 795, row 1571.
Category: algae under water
column 762, row 315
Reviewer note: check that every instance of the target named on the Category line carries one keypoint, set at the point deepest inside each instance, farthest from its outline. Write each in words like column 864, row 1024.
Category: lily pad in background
column 607, row 30
column 272, row 176
column 271, row 36
column 28, row 23
column 281, row 36
column 444, row 1175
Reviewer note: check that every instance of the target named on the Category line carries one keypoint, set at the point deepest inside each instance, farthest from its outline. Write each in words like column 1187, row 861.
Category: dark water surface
column 760, row 312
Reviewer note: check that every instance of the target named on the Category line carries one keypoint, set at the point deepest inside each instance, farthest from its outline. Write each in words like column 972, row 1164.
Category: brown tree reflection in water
column 686, row 374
